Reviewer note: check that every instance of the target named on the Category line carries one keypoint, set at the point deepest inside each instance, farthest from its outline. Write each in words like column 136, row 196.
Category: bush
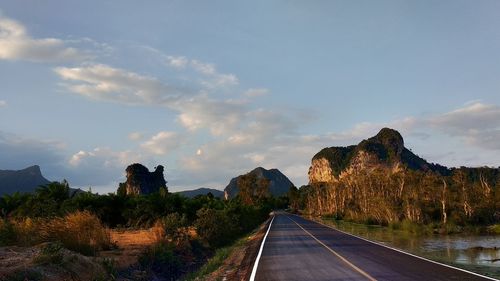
column 172, row 226
column 215, row 227
column 7, row 233
column 163, row 260
column 82, row 232
column 494, row 229
column 50, row 253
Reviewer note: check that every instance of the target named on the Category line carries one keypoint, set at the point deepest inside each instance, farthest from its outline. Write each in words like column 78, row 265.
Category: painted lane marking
column 400, row 251
column 256, row 264
column 359, row 270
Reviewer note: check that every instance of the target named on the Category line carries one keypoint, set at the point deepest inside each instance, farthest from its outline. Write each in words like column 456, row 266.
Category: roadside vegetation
column 187, row 232
column 467, row 200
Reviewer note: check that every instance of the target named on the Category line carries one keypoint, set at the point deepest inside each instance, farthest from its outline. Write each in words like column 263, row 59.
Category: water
column 477, row 253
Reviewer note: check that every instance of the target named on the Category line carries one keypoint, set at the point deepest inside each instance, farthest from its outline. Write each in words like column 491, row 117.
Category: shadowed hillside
column 201, row 191
column 271, row 181
column 26, row 180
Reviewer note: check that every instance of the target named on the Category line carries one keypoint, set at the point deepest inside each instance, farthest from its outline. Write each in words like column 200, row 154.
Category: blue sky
column 212, row 89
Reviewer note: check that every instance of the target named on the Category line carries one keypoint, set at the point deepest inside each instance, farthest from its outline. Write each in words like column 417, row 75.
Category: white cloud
column 104, row 157
column 163, row 143
column 16, row 44
column 477, row 123
column 102, row 82
column 257, row 92
column 210, row 77
column 472, row 117
column 135, row 136
column 178, row 62
column 105, row 83
column 218, row 116
column 3, row 103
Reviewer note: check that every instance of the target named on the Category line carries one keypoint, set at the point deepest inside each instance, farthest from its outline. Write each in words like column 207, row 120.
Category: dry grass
column 80, row 231
column 130, row 245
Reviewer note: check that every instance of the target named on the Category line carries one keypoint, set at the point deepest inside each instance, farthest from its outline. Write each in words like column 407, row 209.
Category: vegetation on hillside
column 468, row 196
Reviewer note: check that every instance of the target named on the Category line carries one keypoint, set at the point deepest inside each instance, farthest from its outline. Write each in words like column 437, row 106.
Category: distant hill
column 279, row 184
column 201, row 191
column 26, row 180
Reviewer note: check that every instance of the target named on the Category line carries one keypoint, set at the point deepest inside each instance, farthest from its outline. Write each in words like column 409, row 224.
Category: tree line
column 384, row 196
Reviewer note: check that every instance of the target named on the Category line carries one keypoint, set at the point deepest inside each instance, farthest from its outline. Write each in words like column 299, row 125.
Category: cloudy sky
column 213, row 89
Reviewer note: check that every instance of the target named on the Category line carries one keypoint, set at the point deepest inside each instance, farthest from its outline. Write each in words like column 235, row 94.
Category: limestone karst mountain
column 279, row 184
column 141, row 181
column 381, row 181
column 385, row 149
column 25, row 180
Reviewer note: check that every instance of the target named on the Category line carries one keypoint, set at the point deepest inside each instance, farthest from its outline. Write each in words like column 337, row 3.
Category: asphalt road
column 300, row 249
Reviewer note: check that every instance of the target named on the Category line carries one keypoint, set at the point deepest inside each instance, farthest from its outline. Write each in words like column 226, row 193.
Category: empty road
column 300, row 249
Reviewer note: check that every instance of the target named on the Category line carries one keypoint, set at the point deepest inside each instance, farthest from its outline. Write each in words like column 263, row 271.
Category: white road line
column 359, row 270
column 403, row 252
column 256, row 264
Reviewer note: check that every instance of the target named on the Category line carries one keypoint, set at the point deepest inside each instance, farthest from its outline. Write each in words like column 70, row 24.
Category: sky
column 213, row 89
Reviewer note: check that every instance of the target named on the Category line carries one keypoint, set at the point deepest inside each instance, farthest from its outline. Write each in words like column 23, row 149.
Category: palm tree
column 57, row 191
column 9, row 203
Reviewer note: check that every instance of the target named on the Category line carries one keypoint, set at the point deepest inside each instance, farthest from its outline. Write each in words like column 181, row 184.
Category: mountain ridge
column 24, row 180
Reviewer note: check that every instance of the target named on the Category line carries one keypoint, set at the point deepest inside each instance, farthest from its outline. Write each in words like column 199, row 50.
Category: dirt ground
column 130, row 245
column 24, row 263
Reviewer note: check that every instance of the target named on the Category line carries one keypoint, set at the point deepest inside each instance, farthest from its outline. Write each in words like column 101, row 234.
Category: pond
column 477, row 253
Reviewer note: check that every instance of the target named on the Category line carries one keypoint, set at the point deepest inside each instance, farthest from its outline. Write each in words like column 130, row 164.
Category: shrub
column 162, row 259
column 7, row 233
column 81, row 231
column 50, row 253
column 215, row 227
column 494, row 229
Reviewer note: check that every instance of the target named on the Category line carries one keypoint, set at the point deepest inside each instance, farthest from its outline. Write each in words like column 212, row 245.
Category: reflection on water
column 478, row 253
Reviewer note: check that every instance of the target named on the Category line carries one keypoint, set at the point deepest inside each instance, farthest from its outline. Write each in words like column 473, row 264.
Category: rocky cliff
column 141, row 181
column 26, row 180
column 279, row 184
column 381, row 181
column 386, row 150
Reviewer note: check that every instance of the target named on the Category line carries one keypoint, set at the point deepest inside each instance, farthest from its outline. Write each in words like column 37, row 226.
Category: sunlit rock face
column 385, row 150
column 141, row 181
column 321, row 171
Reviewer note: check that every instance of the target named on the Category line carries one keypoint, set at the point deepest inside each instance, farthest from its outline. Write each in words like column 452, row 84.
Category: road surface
column 300, row 249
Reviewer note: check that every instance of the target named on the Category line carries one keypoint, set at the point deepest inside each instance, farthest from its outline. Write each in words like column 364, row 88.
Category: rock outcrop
column 141, row 181
column 279, row 184
column 26, row 180
column 386, row 149
column 381, row 181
